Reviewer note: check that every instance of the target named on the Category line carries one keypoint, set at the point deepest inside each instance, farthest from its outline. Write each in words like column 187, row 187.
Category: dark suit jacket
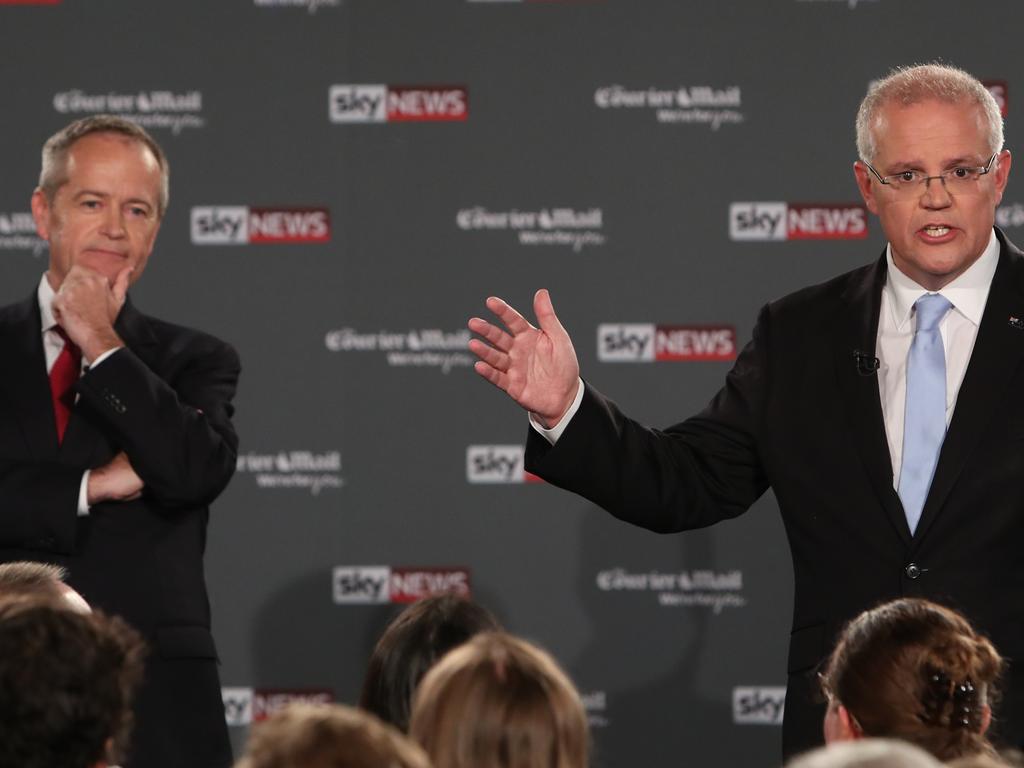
column 795, row 414
column 166, row 401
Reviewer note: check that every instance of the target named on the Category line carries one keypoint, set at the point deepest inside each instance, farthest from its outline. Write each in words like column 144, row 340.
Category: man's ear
column 41, row 214
column 866, row 185
column 1002, row 173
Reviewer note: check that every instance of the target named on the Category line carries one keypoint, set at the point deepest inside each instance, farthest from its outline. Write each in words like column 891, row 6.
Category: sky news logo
column 241, row 225
column 375, row 584
column 797, row 221
column 397, row 103
column 648, row 343
column 497, row 464
column 758, row 706
column 244, row 706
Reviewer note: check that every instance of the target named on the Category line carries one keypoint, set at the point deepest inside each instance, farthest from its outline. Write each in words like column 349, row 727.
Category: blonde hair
column 500, row 702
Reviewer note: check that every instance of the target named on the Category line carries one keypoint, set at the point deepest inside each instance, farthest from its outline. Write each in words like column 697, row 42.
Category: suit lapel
column 857, row 331
column 29, row 385
column 998, row 350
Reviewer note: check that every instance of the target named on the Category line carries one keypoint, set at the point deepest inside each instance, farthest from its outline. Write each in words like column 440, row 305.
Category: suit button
column 912, row 571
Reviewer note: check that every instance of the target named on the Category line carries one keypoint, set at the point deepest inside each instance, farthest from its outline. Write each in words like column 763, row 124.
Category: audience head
column 912, row 670
column 66, row 683
column 499, row 702
column 42, row 580
column 329, row 736
column 867, row 753
column 410, row 645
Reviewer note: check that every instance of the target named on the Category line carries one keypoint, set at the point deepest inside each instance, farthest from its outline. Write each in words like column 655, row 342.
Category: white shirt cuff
column 552, row 435
column 100, row 358
column 83, row 495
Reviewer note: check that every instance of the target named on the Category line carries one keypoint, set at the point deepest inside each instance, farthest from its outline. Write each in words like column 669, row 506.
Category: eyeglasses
column 959, row 180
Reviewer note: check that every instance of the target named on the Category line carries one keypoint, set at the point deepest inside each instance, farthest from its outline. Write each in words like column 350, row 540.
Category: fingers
column 545, row 312
column 494, row 335
column 496, row 377
column 493, row 357
column 120, row 286
column 515, row 322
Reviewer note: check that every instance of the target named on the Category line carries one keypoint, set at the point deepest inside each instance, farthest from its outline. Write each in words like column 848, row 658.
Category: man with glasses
column 882, row 406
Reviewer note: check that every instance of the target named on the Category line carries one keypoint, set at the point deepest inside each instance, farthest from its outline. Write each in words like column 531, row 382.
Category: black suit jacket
column 165, row 400
column 797, row 415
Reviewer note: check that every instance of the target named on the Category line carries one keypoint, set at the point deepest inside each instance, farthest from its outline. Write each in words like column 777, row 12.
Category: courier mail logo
column 241, row 225
column 758, row 706
column 397, row 103
column 797, row 221
column 374, row 584
column 497, row 464
column 648, row 343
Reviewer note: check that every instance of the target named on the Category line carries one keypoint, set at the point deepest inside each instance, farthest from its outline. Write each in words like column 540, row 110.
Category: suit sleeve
column 690, row 475
column 177, row 433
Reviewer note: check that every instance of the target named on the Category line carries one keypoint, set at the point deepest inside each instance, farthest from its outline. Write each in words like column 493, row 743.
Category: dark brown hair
column 500, row 702
column 915, row 670
column 411, row 643
column 66, row 684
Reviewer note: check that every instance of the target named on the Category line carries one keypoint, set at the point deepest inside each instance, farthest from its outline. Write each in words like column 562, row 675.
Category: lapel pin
column 1016, row 322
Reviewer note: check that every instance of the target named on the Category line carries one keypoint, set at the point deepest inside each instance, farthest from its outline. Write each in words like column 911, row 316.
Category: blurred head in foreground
column 329, row 736
column 41, row 579
column 66, row 684
column 410, row 645
column 867, row 753
column 913, row 670
column 500, row 702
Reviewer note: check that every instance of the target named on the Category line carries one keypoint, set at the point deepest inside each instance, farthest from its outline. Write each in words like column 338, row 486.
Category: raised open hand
column 537, row 367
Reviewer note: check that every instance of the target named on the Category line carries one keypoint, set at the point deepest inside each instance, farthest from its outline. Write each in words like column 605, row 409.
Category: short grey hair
column 54, row 171
column 867, row 753
column 920, row 82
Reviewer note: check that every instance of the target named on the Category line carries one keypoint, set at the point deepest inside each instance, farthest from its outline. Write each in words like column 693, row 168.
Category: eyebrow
column 960, row 160
column 105, row 195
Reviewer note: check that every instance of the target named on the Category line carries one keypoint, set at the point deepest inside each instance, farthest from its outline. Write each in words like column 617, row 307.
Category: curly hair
column 66, row 684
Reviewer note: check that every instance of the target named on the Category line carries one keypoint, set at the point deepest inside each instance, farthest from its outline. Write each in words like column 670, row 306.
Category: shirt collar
column 967, row 293
column 45, row 296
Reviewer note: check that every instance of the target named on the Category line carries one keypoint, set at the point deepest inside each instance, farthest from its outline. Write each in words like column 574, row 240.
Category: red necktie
column 63, row 376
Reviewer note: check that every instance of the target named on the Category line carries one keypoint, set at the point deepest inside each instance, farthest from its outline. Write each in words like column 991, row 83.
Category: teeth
column 936, row 231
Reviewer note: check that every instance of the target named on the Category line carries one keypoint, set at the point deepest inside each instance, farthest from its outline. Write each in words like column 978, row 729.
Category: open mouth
column 937, row 233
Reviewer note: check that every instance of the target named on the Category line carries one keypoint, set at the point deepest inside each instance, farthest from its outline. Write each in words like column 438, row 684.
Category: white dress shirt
column 53, row 345
column 897, row 320
column 968, row 294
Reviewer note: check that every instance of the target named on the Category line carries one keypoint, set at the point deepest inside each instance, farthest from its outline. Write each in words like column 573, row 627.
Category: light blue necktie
column 924, row 425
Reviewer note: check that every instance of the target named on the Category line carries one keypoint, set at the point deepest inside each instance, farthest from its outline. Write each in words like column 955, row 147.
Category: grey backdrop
column 351, row 457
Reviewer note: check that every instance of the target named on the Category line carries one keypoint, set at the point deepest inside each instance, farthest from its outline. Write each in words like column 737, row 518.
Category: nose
column 935, row 196
column 113, row 222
